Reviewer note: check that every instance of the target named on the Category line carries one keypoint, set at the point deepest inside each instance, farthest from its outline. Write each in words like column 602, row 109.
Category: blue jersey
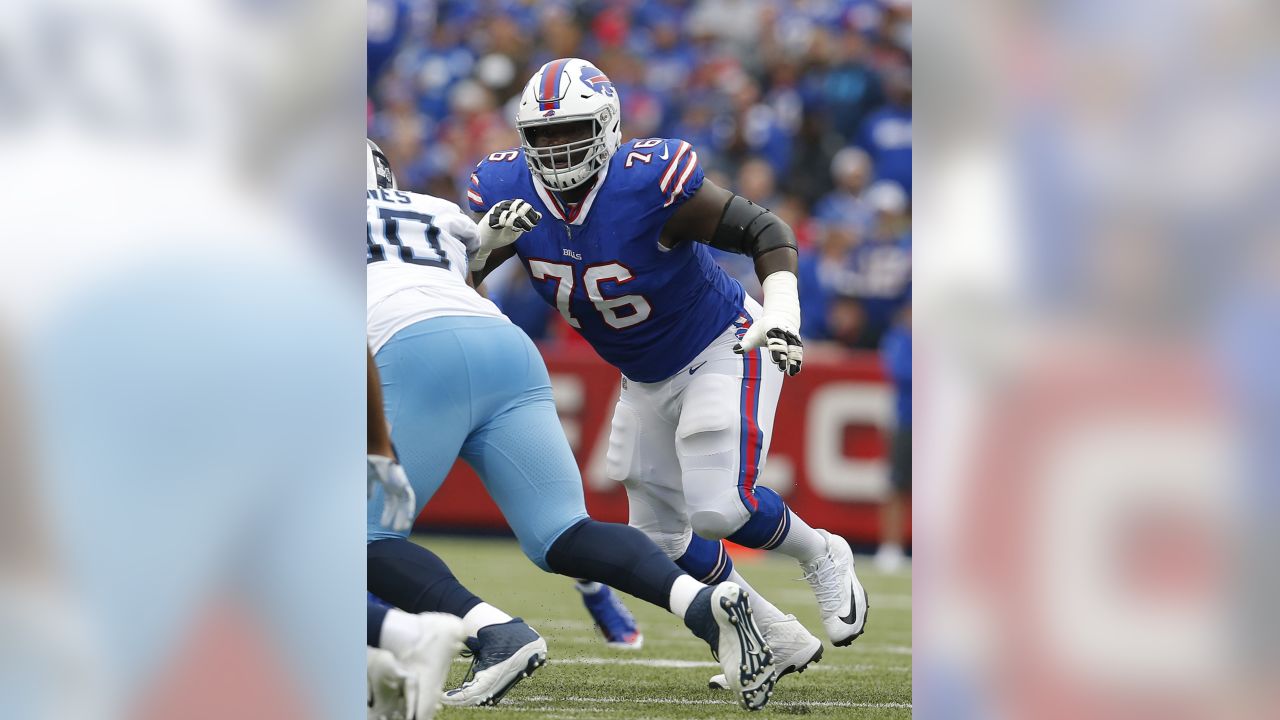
column 646, row 309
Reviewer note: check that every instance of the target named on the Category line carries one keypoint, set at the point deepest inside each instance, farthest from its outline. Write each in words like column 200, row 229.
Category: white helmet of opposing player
column 377, row 169
column 569, row 90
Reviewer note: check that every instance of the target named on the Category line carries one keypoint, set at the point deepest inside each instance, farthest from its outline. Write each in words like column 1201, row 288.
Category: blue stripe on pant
column 476, row 388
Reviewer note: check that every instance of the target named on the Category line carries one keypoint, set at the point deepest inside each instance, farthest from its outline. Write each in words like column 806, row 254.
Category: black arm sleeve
column 748, row 229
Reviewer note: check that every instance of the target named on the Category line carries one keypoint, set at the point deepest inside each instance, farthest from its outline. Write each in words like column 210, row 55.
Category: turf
column 667, row 679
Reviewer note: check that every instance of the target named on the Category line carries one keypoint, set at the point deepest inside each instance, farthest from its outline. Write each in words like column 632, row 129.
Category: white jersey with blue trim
column 645, row 308
column 416, row 263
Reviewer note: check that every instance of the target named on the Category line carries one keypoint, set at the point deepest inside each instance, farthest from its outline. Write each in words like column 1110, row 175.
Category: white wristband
column 782, row 297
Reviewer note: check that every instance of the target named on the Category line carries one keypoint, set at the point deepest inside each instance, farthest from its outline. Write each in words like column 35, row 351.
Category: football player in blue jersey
column 623, row 255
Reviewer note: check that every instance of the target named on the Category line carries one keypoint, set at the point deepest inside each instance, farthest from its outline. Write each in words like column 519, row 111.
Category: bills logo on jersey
column 597, row 81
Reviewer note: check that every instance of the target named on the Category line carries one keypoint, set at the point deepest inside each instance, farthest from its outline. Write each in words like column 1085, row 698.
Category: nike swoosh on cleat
column 853, row 608
column 695, row 368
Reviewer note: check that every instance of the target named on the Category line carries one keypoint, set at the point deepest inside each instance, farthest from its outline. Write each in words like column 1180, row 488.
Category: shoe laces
column 824, row 579
column 468, row 652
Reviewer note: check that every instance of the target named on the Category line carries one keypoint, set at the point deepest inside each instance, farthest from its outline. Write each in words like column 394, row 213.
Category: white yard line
column 685, row 664
column 689, row 664
column 643, row 662
column 679, row 701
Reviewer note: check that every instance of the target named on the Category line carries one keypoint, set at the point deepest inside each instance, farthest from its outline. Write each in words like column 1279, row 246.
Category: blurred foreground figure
column 41, row 627
column 1098, row 352
column 179, row 337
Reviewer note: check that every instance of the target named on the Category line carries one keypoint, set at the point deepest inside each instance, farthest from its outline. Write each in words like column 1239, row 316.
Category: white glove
column 501, row 226
column 398, row 500
column 389, row 684
column 778, row 327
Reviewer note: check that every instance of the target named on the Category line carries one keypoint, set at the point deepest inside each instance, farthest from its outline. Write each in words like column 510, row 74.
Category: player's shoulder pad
column 665, row 167
column 494, row 178
column 447, row 216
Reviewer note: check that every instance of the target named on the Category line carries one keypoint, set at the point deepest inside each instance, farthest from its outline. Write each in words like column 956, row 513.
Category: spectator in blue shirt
column 821, row 274
column 880, row 266
column 850, row 88
column 851, row 172
column 886, row 132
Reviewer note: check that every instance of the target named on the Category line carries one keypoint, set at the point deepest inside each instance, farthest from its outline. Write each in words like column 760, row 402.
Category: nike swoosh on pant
column 695, row 368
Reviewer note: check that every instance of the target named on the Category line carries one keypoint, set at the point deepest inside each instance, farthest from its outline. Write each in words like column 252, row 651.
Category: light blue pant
column 476, row 388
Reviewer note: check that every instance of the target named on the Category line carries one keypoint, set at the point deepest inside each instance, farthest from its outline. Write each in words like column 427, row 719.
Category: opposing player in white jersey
column 624, row 257
column 460, row 380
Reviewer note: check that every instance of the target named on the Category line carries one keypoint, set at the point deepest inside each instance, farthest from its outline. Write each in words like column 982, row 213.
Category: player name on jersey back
column 417, row 263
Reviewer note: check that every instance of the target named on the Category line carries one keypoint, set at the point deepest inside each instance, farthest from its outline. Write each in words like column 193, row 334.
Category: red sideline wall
column 827, row 458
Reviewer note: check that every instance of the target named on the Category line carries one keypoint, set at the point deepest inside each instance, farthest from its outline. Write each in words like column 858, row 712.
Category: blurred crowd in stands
column 803, row 106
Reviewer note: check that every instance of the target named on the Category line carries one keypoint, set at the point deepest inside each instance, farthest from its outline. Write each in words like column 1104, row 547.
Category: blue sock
column 412, row 578
column 619, row 556
column 768, row 525
column 706, row 561
column 377, row 613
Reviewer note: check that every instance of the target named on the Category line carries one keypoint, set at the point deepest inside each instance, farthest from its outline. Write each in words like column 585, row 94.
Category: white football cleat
column 425, row 666
column 794, row 649
column 502, row 655
column 741, row 648
column 841, row 598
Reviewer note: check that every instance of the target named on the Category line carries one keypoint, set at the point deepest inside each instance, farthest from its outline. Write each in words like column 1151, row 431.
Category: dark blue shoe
column 614, row 620
column 501, row 656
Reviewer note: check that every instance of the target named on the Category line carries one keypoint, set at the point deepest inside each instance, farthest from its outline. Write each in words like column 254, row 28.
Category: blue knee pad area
column 769, row 523
column 706, row 561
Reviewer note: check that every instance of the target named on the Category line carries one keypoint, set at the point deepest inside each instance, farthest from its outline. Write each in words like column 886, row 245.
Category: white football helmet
column 377, row 169
column 563, row 91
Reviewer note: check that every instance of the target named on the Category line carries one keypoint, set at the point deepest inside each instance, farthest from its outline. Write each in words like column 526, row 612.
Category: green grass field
column 667, row 679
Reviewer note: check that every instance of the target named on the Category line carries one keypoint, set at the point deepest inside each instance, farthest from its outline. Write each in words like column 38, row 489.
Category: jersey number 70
column 419, row 244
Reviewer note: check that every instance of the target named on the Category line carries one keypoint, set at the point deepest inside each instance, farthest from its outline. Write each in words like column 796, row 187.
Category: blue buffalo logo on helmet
column 597, row 81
